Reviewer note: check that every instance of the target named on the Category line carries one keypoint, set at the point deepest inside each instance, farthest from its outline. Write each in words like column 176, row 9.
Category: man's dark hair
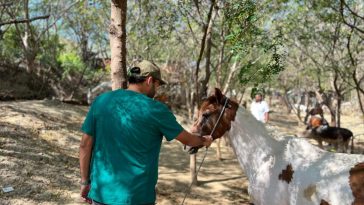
column 134, row 76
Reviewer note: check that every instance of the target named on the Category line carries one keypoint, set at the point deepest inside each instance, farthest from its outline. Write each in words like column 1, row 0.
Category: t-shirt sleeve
column 252, row 107
column 167, row 122
column 88, row 126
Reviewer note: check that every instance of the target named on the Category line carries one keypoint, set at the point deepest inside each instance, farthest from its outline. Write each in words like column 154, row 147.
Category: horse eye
column 206, row 114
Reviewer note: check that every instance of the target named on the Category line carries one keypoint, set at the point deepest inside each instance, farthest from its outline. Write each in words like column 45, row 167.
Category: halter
column 194, row 149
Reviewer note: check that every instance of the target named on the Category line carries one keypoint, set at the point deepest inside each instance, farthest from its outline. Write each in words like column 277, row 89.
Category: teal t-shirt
column 127, row 128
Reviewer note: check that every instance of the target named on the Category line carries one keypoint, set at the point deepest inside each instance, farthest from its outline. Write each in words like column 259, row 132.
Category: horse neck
column 252, row 144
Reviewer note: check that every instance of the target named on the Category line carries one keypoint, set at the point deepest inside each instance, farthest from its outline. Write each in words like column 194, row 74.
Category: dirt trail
column 39, row 158
column 38, row 151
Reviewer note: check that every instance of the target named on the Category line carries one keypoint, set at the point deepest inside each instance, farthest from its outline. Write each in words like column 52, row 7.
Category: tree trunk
column 230, row 77
column 285, row 100
column 84, row 42
column 240, row 100
column 204, row 83
column 354, row 63
column 358, row 89
column 221, row 57
column 331, row 105
column 338, row 112
column 307, row 100
column 118, row 44
column 299, row 103
column 333, row 118
column 325, row 99
column 196, row 100
column 338, row 99
column 218, row 148
column 202, row 48
column 28, row 43
column 75, row 88
column 296, row 111
column 360, row 102
column 193, row 169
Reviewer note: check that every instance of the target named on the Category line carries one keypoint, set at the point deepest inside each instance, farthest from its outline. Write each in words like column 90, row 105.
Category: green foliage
column 261, row 53
column 70, row 62
column 262, row 72
column 10, row 46
column 316, row 41
column 264, row 38
column 150, row 27
column 50, row 47
column 243, row 22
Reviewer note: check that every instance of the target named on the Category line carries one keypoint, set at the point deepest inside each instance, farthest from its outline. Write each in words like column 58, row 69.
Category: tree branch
column 342, row 2
column 6, row 4
column 57, row 18
column 202, row 48
column 351, row 11
column 24, row 20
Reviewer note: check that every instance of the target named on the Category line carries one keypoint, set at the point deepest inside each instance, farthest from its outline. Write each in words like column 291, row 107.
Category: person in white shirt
column 259, row 109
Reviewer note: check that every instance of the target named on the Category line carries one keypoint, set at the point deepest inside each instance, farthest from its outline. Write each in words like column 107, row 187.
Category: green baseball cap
column 148, row 68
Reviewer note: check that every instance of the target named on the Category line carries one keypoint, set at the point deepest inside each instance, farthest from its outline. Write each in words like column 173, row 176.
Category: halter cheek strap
column 220, row 116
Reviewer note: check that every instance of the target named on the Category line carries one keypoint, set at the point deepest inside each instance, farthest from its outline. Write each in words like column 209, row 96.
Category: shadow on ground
column 33, row 166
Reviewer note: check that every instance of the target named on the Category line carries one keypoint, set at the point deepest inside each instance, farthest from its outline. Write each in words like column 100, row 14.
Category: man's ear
column 149, row 80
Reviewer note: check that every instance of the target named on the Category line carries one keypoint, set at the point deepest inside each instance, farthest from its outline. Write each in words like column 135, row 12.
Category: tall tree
column 118, row 44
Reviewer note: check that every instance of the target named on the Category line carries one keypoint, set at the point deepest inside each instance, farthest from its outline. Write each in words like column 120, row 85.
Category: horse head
column 208, row 116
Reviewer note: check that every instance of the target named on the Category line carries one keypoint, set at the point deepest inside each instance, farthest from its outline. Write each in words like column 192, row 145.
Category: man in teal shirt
column 122, row 138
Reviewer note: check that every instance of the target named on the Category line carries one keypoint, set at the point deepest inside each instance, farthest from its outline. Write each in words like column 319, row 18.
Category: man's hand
column 207, row 140
column 193, row 141
column 84, row 192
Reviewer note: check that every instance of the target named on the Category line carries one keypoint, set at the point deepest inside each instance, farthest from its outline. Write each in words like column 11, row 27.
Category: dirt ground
column 39, row 158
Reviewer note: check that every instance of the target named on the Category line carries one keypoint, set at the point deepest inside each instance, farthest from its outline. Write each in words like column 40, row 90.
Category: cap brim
column 158, row 77
column 162, row 82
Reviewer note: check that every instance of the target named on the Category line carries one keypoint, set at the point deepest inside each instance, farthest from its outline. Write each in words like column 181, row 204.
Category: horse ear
column 218, row 94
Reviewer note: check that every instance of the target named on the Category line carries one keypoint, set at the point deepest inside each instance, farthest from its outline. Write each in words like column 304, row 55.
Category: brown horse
column 208, row 115
column 209, row 112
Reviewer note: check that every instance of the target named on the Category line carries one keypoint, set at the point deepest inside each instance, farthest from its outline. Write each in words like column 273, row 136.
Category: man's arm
column 193, row 140
column 266, row 117
column 266, row 113
column 85, row 157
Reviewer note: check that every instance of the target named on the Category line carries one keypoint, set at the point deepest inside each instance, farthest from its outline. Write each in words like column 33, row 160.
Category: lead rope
column 203, row 159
